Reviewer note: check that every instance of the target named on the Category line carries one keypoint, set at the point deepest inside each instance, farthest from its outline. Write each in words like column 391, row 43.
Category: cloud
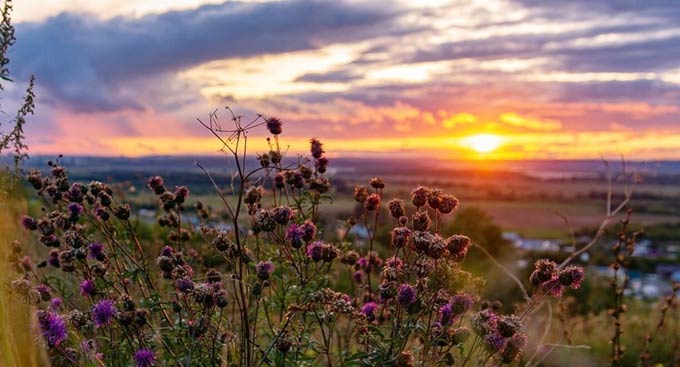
column 88, row 64
column 532, row 123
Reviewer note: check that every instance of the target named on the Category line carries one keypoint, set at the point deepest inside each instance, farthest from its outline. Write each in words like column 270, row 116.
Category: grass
column 18, row 343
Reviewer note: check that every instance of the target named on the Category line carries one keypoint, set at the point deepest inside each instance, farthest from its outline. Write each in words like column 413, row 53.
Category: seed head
column 274, row 125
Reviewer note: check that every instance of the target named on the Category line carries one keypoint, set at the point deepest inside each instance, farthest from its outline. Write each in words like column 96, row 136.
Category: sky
column 485, row 79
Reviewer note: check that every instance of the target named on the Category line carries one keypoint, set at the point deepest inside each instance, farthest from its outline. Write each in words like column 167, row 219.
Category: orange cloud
column 514, row 119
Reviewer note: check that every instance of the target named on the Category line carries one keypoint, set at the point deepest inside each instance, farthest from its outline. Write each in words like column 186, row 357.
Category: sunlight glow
column 482, row 143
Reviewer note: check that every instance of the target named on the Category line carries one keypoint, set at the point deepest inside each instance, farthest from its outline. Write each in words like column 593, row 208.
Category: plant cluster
column 269, row 285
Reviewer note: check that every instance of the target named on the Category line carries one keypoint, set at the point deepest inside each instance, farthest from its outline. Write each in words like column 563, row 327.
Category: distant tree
column 480, row 227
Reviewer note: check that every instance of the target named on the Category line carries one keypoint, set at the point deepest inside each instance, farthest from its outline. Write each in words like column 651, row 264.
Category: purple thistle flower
column 368, row 310
column 553, row 287
column 315, row 251
column 494, row 343
column 446, row 314
column 400, row 237
column 181, row 194
column 87, row 288
column 295, row 234
column 75, row 209
column 155, row 183
column 167, row 251
column 52, row 328
column 571, row 276
column 264, row 269
column 282, row 214
column 103, row 312
column 406, row 295
column 145, row 358
column 55, row 303
column 184, row 284
column 309, row 229
column 29, row 223
column 96, row 251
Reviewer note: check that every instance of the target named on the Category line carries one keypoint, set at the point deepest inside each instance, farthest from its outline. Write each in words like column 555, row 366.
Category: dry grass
column 18, row 346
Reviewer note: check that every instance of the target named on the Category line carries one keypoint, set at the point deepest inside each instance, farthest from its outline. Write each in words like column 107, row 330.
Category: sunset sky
column 467, row 79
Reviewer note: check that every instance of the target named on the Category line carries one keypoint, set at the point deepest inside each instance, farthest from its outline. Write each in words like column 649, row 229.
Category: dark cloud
column 88, row 63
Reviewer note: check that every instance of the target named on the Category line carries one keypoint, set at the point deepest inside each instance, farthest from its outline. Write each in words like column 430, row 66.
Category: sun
column 482, row 143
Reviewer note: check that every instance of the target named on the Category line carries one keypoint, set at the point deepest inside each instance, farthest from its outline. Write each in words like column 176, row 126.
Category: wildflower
column 315, row 251
column 434, row 198
column 514, row 347
column 155, row 183
column 321, row 164
column 264, row 160
column 122, row 212
column 279, row 181
column 101, row 213
column 75, row 193
column 265, row 221
column 181, row 194
column 309, row 229
column 484, row 322
column 360, row 193
column 422, row 241
column 29, row 223
column 377, row 183
column 437, row 248
column 447, row 204
column 396, row 208
column 221, row 298
column 553, row 287
column 264, row 269
column 44, row 291
column 494, row 343
column 253, row 195
column 406, row 295
column 75, row 209
column 419, row 196
column 458, row 246
column 56, row 303
column 103, row 312
column 446, row 314
column 350, row 258
column 400, row 237
column 213, row 276
column 87, row 288
column 328, row 253
column 275, row 156
column 317, row 148
column 96, row 251
column 368, row 310
column 509, row 325
column 274, row 125
column 545, row 270
column 295, row 234
column 52, row 328
column 421, row 221
column 372, row 202
column 145, row 358
column 571, row 276
column 184, row 284
column 282, row 214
